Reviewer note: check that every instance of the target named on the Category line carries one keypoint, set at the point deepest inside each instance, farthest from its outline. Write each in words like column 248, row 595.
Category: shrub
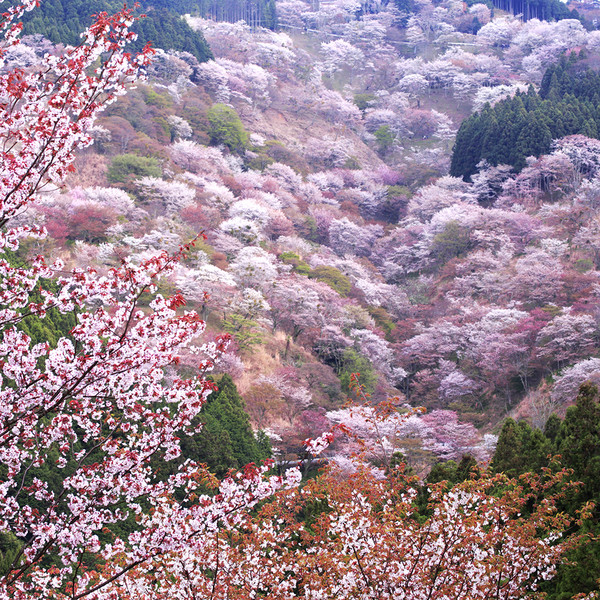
column 333, row 277
column 354, row 363
column 385, row 138
column 130, row 166
column 450, row 243
column 226, row 128
column 299, row 266
column 363, row 101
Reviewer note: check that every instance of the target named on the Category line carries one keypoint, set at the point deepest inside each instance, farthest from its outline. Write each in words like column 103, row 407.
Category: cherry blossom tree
column 372, row 542
column 339, row 54
column 336, row 109
column 198, row 159
column 254, row 267
column 295, row 306
column 166, row 196
column 567, row 385
column 481, row 12
column 582, row 152
column 456, row 385
column 414, row 84
column 375, row 430
column 493, row 95
column 247, row 81
column 498, row 32
column 537, row 277
column 91, row 408
column 448, row 438
column 379, row 352
column 347, row 237
column 566, row 337
column 588, row 239
column 208, row 285
column 180, row 128
column 296, row 398
column 442, row 339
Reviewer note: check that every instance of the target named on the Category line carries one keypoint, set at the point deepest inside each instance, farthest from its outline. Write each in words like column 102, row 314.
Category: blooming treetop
column 367, row 540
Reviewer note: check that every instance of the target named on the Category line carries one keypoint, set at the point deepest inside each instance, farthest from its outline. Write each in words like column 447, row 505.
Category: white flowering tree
column 82, row 419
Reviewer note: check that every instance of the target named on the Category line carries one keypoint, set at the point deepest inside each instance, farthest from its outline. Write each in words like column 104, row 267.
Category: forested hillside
column 63, row 21
column 525, row 125
column 336, row 242
column 362, row 237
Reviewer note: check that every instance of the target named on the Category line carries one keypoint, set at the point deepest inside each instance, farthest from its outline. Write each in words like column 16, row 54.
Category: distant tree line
column 567, row 103
column 62, row 21
column 257, row 13
column 546, row 10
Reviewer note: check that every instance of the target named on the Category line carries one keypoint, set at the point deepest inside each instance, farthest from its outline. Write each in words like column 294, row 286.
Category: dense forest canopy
column 525, row 125
column 62, row 21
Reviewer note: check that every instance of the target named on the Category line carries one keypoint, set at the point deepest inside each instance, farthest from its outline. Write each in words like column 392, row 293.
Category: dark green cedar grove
column 226, row 440
column 547, row 10
column 576, row 441
column 61, row 21
column 568, row 103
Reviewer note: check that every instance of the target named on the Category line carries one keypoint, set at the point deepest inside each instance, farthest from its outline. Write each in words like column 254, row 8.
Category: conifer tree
column 579, row 440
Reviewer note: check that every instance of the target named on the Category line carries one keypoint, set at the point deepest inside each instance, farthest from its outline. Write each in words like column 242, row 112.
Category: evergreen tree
column 470, row 139
column 226, row 441
column 453, row 472
column 534, row 139
column 515, row 128
column 226, row 128
column 520, row 449
column 506, row 457
column 578, row 443
column 552, row 428
column 578, row 440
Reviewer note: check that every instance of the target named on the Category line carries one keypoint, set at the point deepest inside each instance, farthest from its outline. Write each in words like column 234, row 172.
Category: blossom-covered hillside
column 315, row 161
column 364, row 228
